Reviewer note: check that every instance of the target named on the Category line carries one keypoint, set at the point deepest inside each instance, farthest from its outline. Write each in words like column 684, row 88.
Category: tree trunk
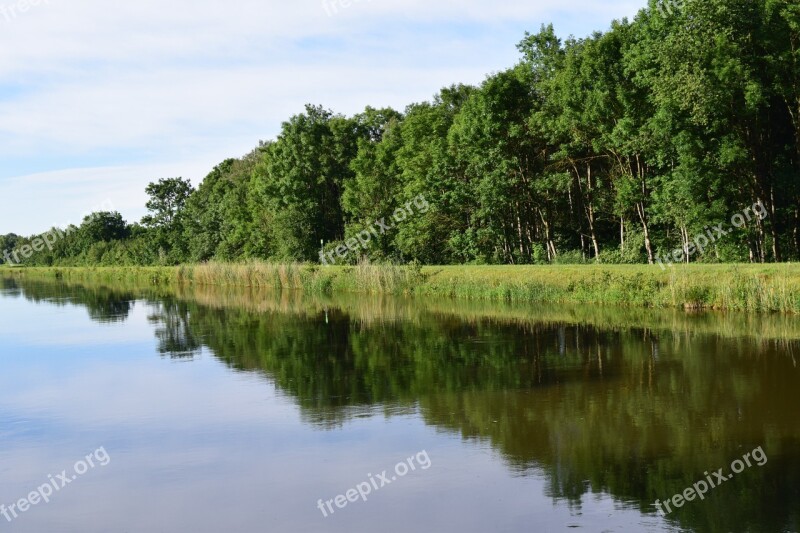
column 520, row 234
column 685, row 243
column 640, row 206
column 548, row 233
column 760, row 239
column 797, row 228
column 590, row 215
column 773, row 223
column 648, row 245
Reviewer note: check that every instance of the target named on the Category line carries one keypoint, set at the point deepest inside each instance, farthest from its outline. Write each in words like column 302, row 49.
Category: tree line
column 611, row 148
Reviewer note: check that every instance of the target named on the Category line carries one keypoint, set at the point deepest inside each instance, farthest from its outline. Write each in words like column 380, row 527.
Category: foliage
column 613, row 148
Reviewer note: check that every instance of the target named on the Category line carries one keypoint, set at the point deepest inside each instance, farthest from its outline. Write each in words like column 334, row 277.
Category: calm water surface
column 224, row 411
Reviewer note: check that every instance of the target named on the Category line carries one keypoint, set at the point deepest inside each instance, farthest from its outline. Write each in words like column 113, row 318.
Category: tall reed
column 752, row 288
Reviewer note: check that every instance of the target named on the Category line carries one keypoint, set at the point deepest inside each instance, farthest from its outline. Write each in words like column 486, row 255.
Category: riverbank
column 387, row 309
column 754, row 288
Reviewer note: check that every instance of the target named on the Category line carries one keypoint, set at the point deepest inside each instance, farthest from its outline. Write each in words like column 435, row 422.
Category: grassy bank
column 758, row 288
column 380, row 310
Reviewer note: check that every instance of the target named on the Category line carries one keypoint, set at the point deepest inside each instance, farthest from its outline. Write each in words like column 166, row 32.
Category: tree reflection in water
column 633, row 403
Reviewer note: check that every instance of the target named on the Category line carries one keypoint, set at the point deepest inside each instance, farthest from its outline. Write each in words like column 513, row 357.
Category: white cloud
column 41, row 201
column 185, row 107
column 151, row 88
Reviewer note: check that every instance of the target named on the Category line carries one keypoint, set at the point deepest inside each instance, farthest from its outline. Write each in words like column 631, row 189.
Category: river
column 207, row 410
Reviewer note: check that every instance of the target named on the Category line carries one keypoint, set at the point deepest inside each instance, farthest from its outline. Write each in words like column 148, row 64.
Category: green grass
column 734, row 287
column 754, row 288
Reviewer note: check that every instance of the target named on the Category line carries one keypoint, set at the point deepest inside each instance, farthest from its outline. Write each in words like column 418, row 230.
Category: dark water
column 238, row 412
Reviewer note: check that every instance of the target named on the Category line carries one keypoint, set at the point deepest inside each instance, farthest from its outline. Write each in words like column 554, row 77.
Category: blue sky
column 97, row 99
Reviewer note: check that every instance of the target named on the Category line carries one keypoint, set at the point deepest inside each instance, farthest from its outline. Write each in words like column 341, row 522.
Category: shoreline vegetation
column 751, row 288
column 381, row 309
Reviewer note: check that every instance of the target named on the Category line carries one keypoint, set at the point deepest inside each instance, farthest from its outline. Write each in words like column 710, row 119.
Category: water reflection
column 103, row 304
column 636, row 404
column 175, row 335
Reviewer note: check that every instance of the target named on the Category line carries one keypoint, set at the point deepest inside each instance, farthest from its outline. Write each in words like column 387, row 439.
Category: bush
column 570, row 257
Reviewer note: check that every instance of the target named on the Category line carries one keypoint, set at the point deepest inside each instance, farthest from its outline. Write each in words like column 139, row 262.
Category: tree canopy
column 619, row 147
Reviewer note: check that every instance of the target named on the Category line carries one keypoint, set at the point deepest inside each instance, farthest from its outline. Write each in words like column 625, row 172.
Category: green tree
column 167, row 200
column 300, row 182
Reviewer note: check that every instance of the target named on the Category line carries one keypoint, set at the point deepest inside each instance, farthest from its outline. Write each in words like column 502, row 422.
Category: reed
column 752, row 288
